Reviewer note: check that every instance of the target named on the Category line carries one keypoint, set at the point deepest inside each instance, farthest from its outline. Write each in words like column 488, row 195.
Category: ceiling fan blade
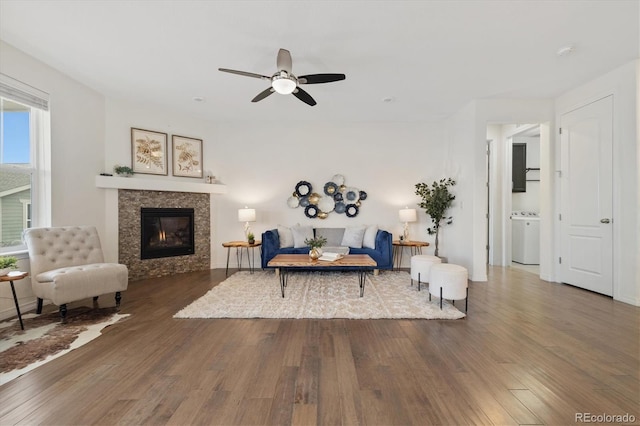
column 260, row 96
column 246, row 74
column 284, row 60
column 320, row 78
column 304, row 96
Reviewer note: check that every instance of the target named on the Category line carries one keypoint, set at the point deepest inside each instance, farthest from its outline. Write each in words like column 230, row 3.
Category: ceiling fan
column 285, row 83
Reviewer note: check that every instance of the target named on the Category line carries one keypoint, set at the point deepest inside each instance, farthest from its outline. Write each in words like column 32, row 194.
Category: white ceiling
column 429, row 57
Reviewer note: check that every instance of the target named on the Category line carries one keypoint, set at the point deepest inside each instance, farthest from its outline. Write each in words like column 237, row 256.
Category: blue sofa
column 382, row 253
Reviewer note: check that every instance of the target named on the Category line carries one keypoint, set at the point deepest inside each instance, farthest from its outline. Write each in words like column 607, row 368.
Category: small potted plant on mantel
column 124, row 171
column 7, row 263
column 436, row 199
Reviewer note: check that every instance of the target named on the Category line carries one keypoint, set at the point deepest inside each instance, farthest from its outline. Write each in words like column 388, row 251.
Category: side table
column 11, row 277
column 239, row 246
column 415, row 247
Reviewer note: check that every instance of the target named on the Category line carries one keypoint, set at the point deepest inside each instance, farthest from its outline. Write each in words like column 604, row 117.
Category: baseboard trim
column 11, row 312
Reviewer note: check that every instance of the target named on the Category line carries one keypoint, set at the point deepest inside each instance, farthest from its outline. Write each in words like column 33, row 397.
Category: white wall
column 458, row 239
column 622, row 83
column 77, row 150
column 260, row 163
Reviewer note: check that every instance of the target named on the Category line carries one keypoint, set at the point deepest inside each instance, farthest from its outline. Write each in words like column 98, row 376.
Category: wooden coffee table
column 362, row 263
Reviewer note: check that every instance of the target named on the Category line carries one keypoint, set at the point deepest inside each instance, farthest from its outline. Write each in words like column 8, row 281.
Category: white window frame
column 40, row 151
column 27, row 219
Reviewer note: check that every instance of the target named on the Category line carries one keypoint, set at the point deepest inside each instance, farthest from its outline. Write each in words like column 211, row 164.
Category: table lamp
column 407, row 215
column 246, row 215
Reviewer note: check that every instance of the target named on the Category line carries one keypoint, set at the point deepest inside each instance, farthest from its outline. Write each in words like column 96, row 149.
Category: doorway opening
column 515, row 167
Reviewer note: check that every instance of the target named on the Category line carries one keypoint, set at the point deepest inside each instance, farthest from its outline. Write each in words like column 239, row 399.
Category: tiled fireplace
column 130, row 206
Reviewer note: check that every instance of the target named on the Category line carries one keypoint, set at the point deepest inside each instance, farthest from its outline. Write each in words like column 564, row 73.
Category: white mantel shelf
column 142, row 184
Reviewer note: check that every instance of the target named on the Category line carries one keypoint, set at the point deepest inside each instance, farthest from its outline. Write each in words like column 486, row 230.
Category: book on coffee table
column 331, row 257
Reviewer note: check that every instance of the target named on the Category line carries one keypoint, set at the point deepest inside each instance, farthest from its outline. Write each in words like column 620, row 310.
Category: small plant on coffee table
column 316, row 245
column 316, row 242
column 251, row 239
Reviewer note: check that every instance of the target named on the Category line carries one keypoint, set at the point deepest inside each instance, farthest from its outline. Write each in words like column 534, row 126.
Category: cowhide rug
column 45, row 338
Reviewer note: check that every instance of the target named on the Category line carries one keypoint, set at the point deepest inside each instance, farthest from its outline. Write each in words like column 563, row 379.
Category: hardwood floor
column 529, row 352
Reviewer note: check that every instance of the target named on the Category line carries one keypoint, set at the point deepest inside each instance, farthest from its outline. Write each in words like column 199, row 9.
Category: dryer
column 525, row 232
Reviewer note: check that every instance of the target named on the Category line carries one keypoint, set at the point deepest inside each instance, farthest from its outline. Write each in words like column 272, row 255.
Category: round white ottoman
column 421, row 266
column 449, row 281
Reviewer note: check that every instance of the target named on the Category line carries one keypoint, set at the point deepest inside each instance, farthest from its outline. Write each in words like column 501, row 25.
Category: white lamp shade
column 407, row 215
column 246, row 215
column 283, row 85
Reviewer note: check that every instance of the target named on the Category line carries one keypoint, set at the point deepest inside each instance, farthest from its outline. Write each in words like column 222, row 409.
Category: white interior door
column 587, row 199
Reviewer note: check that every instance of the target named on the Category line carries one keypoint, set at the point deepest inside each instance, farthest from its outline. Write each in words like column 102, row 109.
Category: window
column 26, row 213
column 519, row 168
column 24, row 162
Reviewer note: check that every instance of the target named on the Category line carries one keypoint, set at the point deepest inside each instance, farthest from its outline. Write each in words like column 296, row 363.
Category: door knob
column 605, row 220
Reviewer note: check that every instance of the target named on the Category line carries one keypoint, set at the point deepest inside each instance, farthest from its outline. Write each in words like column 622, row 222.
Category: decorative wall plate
column 352, row 210
column 352, row 195
column 303, row 188
column 311, row 211
column 326, row 204
column 293, row 202
column 330, row 188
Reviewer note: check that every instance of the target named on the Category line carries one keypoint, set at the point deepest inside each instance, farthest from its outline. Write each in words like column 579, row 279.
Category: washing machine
column 525, row 232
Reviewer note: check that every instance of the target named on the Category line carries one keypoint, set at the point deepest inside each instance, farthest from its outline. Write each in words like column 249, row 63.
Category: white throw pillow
column 353, row 236
column 301, row 233
column 369, row 240
column 286, row 236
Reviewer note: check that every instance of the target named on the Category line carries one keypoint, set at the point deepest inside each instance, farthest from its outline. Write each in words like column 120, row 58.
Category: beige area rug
column 318, row 295
column 45, row 339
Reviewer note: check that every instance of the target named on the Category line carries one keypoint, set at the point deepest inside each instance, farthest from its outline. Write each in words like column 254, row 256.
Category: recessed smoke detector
column 199, row 99
column 388, row 99
column 565, row 51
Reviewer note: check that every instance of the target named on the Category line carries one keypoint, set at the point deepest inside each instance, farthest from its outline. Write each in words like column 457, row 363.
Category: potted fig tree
column 436, row 200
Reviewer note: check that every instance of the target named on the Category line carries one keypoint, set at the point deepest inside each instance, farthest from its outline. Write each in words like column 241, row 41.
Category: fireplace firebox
column 166, row 232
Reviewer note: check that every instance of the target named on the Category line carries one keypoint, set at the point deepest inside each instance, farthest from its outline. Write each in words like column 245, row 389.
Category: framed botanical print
column 187, row 156
column 149, row 152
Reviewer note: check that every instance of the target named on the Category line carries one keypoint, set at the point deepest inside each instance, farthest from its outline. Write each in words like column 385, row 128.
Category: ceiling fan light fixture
column 283, row 85
column 284, row 82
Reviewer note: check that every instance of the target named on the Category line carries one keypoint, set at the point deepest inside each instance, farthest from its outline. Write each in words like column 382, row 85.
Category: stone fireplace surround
column 129, row 234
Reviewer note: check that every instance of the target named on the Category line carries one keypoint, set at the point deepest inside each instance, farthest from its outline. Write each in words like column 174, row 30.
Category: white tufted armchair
column 67, row 264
